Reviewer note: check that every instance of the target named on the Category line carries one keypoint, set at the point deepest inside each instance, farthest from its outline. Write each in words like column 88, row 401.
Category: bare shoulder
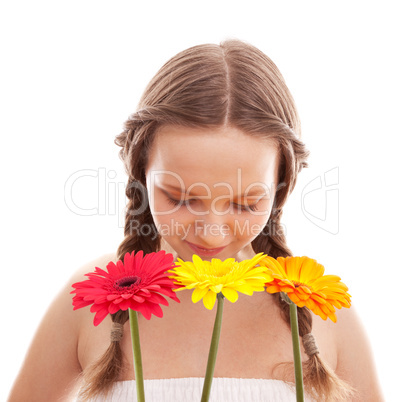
column 42, row 377
column 355, row 362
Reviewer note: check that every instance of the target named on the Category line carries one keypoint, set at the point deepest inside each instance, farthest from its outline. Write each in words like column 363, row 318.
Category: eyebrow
column 179, row 189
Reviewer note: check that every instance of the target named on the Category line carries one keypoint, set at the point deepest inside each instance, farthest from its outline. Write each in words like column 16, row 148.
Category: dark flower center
column 127, row 281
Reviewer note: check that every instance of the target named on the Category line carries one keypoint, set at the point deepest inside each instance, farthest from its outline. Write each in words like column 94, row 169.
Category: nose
column 212, row 231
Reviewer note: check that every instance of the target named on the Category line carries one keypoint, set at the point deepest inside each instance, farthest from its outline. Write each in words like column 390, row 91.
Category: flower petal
column 209, row 300
column 198, row 294
column 311, row 288
column 109, row 291
column 230, row 294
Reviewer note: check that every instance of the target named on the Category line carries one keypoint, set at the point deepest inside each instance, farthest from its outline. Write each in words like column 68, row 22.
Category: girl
column 211, row 155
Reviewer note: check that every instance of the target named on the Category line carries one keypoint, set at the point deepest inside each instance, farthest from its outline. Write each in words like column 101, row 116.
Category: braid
column 99, row 377
column 140, row 233
column 320, row 381
column 139, row 229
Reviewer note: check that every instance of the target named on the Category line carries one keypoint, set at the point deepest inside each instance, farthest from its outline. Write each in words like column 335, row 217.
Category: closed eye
column 175, row 202
column 246, row 208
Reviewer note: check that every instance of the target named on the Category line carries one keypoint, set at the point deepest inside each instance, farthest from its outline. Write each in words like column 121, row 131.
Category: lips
column 207, row 252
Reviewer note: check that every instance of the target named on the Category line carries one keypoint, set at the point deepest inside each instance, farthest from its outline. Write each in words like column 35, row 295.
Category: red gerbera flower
column 138, row 283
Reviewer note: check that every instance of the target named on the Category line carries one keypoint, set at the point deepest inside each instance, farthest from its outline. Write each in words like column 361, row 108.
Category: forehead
column 213, row 155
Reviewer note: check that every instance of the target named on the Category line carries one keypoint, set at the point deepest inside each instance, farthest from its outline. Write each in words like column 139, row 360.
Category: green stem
column 213, row 350
column 135, row 339
column 296, row 352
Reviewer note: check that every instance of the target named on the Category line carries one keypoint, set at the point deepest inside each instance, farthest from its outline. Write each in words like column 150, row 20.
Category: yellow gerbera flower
column 303, row 280
column 208, row 278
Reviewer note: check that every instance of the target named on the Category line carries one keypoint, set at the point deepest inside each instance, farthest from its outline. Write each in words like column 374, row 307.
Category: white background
column 72, row 72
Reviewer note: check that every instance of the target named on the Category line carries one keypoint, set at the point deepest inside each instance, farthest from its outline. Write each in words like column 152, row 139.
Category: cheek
column 170, row 220
column 250, row 225
column 158, row 204
column 160, row 208
column 248, row 229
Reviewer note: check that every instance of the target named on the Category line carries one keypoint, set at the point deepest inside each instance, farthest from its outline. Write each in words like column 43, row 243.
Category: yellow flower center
column 216, row 271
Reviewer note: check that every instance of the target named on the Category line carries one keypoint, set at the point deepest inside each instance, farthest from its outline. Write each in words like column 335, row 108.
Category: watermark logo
column 320, row 201
column 202, row 229
column 110, row 195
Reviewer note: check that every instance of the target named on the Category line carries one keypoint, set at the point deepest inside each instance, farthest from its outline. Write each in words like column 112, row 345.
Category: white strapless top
column 190, row 389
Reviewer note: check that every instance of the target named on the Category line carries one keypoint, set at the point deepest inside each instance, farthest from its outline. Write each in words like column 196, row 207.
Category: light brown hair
column 232, row 84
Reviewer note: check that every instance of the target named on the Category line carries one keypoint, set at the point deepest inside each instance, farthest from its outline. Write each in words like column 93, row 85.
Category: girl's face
column 211, row 191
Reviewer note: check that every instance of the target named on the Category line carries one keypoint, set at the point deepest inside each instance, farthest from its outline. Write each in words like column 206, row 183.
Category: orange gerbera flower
column 302, row 279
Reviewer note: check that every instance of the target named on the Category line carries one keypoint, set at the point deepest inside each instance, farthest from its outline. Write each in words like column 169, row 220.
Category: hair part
column 231, row 84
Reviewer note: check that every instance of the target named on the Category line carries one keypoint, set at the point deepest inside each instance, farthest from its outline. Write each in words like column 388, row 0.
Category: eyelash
column 245, row 208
